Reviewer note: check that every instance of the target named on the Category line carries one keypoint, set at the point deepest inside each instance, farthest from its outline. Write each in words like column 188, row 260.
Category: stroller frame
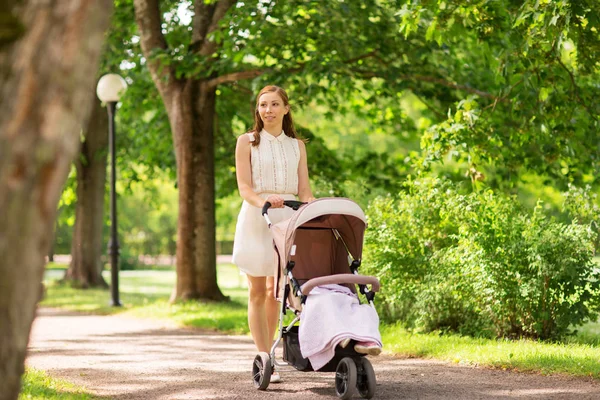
column 345, row 230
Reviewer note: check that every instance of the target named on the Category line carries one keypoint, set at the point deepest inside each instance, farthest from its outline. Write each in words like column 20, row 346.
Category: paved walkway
column 125, row 358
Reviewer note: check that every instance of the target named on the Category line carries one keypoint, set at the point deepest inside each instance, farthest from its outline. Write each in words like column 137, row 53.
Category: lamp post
column 109, row 90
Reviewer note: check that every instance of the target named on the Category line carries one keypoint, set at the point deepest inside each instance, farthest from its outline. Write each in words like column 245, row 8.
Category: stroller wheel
column 345, row 378
column 261, row 371
column 366, row 381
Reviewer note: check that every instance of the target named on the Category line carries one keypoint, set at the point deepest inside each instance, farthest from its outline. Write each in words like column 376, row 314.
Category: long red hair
column 288, row 122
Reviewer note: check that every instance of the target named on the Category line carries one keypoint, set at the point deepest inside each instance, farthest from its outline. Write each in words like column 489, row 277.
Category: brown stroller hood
column 327, row 234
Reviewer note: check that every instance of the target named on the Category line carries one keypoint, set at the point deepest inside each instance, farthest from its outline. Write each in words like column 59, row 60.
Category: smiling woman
column 271, row 166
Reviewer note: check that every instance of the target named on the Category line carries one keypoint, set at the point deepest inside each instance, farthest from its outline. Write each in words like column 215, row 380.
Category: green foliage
column 479, row 264
column 528, row 70
column 147, row 217
column 583, row 206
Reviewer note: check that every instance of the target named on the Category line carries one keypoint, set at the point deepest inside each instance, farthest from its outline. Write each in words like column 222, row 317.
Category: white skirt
column 253, row 251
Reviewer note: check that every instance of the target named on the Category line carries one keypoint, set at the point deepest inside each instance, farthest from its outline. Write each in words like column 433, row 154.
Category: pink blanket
column 331, row 314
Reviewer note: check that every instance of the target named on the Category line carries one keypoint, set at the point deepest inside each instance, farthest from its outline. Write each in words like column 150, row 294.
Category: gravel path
column 126, row 358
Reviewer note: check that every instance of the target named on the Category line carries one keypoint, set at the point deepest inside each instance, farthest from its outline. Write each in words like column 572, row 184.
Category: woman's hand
column 275, row 200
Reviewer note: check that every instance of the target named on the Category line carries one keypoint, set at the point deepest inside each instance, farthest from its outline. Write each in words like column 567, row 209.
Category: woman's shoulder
column 245, row 138
column 300, row 143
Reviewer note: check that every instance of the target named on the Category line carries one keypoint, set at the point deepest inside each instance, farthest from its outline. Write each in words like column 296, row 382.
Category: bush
column 478, row 264
column 582, row 205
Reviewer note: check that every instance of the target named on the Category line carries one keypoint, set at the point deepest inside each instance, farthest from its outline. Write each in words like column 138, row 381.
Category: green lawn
column 520, row 355
column 146, row 293
column 37, row 385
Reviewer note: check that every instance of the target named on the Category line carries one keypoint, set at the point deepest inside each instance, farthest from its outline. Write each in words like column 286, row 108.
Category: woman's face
column 271, row 109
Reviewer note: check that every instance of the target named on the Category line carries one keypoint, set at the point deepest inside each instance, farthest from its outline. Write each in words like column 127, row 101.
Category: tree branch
column 361, row 57
column 235, row 76
column 148, row 18
column 241, row 75
column 452, row 85
column 203, row 14
column 429, row 106
column 218, row 12
column 576, row 88
column 439, row 81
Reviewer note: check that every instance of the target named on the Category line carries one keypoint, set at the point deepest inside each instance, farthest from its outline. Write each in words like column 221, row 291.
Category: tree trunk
column 45, row 80
column 204, row 104
column 85, row 270
column 191, row 115
column 190, row 105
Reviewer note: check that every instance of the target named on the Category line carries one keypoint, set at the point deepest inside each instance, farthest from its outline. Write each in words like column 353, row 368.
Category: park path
column 125, row 358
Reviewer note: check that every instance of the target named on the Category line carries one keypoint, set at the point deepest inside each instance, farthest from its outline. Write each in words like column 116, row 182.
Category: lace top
column 275, row 164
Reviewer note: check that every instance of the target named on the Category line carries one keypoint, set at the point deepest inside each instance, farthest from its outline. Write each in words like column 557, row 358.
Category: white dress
column 274, row 171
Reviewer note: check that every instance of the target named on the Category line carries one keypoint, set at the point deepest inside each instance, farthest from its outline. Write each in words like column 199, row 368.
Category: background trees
column 85, row 269
column 297, row 43
column 495, row 94
column 520, row 112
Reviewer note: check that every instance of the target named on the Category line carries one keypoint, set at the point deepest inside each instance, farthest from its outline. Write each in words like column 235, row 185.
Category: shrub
column 404, row 234
column 478, row 264
column 583, row 207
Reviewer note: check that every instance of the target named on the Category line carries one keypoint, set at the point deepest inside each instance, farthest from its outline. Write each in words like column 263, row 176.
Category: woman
column 271, row 166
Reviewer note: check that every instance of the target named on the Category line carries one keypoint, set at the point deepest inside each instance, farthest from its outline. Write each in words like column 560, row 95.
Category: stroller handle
column 340, row 278
column 295, row 205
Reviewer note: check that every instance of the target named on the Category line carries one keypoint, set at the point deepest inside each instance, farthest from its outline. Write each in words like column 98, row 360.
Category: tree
column 451, row 57
column 85, row 269
column 86, row 266
column 45, row 80
column 190, row 105
column 315, row 48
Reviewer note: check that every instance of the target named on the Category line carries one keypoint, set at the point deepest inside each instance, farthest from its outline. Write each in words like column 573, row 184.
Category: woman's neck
column 274, row 130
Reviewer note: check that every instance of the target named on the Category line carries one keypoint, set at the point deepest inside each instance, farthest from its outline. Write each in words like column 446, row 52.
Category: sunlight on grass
column 520, row 355
column 145, row 293
column 37, row 385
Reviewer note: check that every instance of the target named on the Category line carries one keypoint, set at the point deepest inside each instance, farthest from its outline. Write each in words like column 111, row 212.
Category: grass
column 146, row 294
column 37, row 385
column 521, row 355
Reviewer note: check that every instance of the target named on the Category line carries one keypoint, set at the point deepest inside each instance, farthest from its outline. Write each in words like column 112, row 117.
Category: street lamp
column 109, row 90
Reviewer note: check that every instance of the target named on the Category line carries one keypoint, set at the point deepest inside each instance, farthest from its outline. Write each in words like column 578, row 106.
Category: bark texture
column 45, row 80
column 85, row 270
column 190, row 105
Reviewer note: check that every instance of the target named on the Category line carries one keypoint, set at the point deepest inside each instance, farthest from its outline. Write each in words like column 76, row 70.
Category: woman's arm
column 304, row 192
column 243, row 172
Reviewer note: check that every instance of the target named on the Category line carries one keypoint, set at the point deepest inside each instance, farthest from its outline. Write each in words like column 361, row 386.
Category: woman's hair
column 288, row 123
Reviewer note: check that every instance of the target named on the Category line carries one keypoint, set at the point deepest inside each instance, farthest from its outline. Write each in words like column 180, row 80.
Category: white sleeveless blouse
column 274, row 170
column 275, row 164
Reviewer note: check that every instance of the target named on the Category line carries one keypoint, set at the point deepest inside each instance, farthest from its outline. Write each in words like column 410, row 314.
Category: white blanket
column 331, row 314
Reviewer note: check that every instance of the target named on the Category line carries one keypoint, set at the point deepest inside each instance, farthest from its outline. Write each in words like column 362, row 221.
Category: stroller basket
column 291, row 351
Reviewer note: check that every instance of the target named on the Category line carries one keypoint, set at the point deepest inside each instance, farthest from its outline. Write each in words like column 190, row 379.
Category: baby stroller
column 320, row 244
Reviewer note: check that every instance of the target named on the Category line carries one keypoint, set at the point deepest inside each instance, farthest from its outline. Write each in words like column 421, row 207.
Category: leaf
column 431, row 30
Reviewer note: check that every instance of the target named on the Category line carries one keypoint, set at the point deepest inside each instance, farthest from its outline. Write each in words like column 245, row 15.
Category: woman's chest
column 282, row 156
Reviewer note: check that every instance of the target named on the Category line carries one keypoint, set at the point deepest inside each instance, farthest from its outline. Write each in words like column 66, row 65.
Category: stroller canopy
column 326, row 233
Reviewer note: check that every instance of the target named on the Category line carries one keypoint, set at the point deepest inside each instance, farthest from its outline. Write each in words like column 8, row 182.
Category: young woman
column 271, row 166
